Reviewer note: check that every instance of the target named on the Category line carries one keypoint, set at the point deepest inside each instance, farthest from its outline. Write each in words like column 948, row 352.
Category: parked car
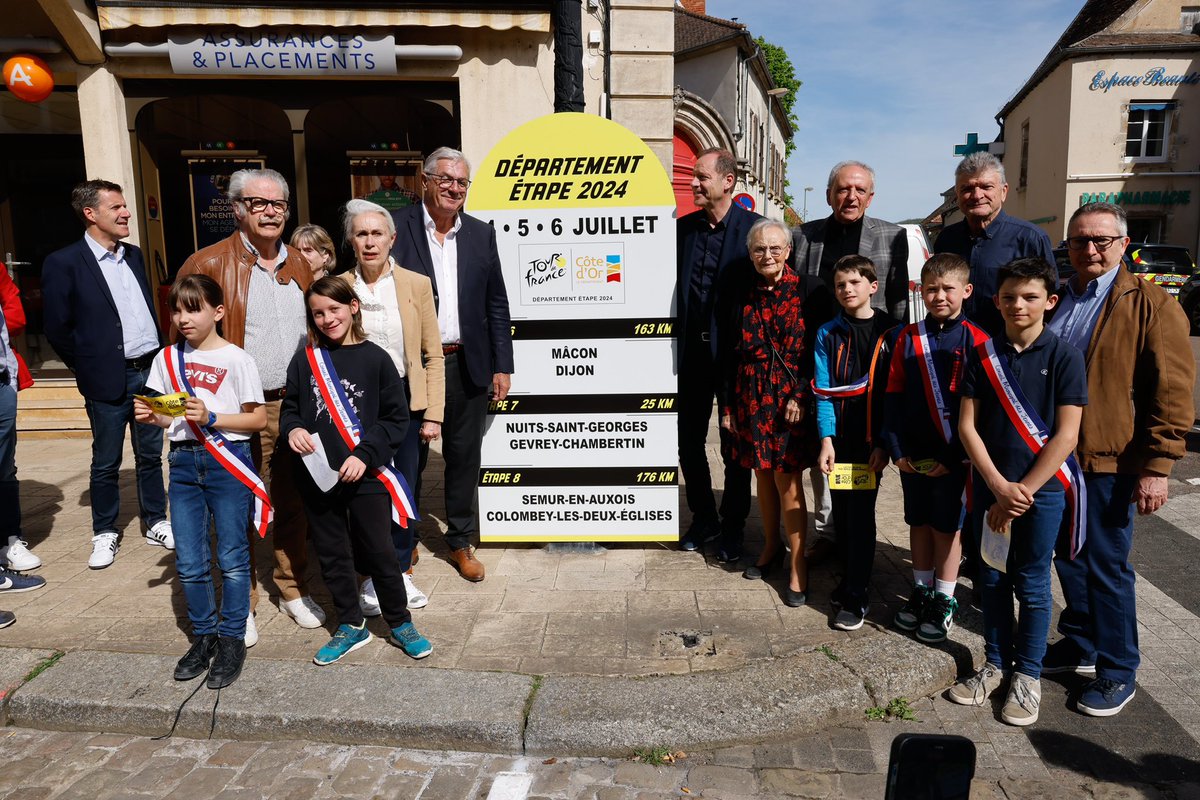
column 1189, row 298
column 919, row 251
column 1169, row 266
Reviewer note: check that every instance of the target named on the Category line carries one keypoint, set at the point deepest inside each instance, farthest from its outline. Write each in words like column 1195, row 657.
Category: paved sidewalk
column 634, row 611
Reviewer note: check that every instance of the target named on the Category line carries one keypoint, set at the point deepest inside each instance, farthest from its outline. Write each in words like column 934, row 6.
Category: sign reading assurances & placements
column 585, row 446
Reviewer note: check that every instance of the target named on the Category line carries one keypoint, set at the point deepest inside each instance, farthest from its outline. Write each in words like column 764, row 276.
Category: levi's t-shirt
column 223, row 378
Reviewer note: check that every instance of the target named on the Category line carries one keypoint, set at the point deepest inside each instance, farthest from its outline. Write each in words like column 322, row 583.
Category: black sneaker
column 227, row 666
column 938, row 619
column 911, row 613
column 849, row 619
column 700, row 533
column 1064, row 656
column 195, row 660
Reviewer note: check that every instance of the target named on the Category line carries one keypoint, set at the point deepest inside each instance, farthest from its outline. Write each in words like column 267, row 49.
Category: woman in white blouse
column 399, row 315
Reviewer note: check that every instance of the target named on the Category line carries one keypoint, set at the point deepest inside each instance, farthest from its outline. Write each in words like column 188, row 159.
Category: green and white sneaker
column 346, row 639
column 938, row 619
column 911, row 613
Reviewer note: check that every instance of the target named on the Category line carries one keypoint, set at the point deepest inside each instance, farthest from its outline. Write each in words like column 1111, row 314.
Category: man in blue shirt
column 988, row 238
column 100, row 320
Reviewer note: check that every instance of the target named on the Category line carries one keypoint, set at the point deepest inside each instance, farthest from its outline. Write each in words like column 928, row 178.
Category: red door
column 681, row 172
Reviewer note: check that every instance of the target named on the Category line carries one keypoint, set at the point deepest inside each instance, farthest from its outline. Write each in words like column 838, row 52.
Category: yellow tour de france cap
column 570, row 160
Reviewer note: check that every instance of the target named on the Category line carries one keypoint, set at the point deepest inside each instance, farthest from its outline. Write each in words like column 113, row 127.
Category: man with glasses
column 1140, row 368
column 100, row 320
column 458, row 253
column 264, row 284
column 987, row 238
column 712, row 264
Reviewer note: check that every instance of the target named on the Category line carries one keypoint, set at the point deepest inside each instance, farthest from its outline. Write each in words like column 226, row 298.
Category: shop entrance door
column 37, row 173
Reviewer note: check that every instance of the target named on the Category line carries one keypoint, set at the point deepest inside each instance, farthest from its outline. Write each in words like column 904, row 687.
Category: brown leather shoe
column 416, row 556
column 468, row 565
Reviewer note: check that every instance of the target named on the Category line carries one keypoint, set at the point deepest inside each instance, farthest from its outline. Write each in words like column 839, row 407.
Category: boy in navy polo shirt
column 920, row 429
column 1017, row 490
column 851, row 355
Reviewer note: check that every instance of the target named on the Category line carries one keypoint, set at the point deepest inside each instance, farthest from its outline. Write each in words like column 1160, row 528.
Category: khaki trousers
column 277, row 466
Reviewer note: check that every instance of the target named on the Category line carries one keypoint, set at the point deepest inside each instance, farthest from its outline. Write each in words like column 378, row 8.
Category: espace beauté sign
column 585, row 447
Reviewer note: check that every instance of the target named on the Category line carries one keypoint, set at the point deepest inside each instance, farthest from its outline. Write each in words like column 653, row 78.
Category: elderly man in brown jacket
column 264, row 284
column 1140, row 369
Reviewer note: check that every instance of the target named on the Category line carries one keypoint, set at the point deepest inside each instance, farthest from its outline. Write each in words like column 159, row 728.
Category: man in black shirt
column 711, row 254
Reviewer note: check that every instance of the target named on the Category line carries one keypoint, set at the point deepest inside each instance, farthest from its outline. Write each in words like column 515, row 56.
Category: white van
column 919, row 251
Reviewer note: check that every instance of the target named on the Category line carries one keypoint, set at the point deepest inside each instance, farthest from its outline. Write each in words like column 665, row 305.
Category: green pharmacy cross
column 972, row 146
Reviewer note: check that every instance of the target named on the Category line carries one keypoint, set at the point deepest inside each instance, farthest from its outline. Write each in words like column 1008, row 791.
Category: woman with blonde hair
column 313, row 242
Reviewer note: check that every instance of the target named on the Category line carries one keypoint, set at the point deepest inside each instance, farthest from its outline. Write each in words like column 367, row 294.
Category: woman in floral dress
column 765, row 391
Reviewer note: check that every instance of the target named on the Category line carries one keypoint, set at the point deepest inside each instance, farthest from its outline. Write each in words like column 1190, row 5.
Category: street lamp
column 804, row 213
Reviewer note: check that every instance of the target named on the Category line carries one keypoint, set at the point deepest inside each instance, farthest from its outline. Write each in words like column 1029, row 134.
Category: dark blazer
column 884, row 243
column 733, row 265
column 81, row 319
column 482, row 300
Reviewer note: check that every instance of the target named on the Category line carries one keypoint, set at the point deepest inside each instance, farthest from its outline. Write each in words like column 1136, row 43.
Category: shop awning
column 116, row 17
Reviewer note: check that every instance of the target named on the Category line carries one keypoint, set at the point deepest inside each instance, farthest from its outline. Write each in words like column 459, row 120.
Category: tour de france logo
column 582, row 274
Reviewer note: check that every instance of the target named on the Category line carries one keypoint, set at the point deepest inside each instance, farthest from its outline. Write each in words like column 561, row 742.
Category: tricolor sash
column 929, row 379
column 350, row 428
column 217, row 446
column 1034, row 433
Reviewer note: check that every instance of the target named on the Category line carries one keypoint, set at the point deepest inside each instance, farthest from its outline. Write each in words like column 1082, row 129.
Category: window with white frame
column 1147, row 138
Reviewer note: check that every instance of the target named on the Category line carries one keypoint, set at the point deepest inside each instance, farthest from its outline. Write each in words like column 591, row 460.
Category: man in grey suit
column 816, row 247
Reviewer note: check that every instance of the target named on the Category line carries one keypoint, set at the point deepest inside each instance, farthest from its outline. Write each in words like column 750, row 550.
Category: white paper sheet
column 323, row 475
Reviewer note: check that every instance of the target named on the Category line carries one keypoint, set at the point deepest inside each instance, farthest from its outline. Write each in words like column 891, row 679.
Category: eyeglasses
column 761, row 252
column 257, row 205
column 1102, row 243
column 444, row 181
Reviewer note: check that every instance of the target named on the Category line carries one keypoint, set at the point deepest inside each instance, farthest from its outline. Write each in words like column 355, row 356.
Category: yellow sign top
column 570, row 160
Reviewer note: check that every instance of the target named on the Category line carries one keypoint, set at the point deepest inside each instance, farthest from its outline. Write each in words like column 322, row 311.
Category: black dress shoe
column 195, row 660
column 227, row 666
column 794, row 599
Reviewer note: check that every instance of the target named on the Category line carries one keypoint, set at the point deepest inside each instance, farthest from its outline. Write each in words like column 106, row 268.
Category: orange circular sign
column 28, row 78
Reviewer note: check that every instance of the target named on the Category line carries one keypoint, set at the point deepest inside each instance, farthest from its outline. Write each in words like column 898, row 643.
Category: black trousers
column 854, row 524
column 351, row 532
column 462, row 441
column 697, row 390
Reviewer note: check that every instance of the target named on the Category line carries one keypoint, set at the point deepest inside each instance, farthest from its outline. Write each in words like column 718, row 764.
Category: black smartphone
column 929, row 766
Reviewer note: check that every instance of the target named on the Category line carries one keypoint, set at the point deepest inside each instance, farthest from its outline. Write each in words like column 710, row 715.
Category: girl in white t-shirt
column 212, row 475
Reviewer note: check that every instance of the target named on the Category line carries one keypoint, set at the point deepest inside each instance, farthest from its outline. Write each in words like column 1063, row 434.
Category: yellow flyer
column 173, row 405
column 925, row 465
column 851, row 476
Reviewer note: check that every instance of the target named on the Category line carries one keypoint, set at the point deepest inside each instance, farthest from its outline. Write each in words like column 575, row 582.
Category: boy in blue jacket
column 851, row 355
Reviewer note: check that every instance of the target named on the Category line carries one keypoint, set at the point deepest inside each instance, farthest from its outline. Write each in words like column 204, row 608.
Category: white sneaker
column 416, row 598
column 251, row 631
column 368, row 601
column 305, row 611
column 18, row 557
column 161, row 535
column 104, row 549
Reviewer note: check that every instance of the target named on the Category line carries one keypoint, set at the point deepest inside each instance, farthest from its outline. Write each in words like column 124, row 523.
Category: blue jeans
column 1101, row 614
column 1030, row 553
column 204, row 493
column 10, row 498
column 109, row 421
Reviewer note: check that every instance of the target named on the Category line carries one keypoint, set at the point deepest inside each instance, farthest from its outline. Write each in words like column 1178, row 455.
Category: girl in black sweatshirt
column 349, row 525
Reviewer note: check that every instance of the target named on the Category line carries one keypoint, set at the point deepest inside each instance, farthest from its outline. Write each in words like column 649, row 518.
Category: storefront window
column 1149, row 127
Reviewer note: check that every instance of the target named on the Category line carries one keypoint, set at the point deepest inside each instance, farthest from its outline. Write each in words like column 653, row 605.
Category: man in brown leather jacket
column 264, row 284
column 1140, row 370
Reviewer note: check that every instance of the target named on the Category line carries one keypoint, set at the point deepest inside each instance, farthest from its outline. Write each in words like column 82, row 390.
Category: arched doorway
column 682, row 162
column 351, row 143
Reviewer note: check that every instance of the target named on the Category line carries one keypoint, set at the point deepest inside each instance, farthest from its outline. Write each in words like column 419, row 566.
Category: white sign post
column 585, row 448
